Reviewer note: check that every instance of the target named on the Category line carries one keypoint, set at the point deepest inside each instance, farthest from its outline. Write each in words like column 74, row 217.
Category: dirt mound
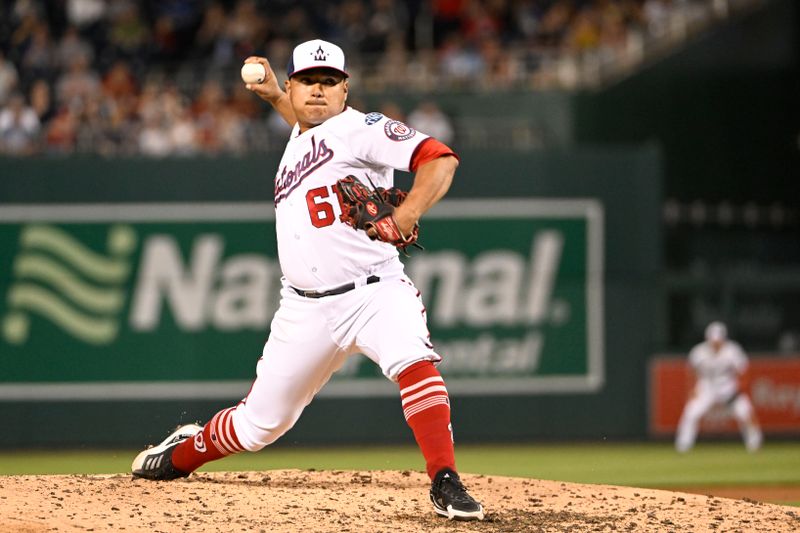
column 361, row 502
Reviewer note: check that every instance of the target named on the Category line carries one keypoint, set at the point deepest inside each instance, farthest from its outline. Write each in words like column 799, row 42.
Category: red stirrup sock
column 426, row 407
column 217, row 440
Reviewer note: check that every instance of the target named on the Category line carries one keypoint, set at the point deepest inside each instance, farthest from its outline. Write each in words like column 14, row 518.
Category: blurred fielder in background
column 719, row 366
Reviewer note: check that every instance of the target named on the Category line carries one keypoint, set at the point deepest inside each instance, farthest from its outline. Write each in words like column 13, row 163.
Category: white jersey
column 719, row 371
column 316, row 250
column 718, row 384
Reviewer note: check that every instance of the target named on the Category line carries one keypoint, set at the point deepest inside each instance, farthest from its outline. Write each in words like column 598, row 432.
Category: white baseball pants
column 310, row 338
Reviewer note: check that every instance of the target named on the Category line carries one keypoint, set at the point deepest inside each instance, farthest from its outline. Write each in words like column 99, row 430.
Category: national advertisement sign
column 165, row 301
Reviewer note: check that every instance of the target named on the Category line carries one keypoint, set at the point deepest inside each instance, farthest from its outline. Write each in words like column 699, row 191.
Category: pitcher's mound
column 361, row 502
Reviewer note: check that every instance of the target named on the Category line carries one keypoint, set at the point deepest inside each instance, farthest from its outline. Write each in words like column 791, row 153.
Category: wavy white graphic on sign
column 59, row 278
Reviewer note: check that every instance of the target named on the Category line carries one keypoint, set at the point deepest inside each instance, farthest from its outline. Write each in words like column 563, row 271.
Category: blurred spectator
column 118, row 81
column 164, row 40
column 246, row 27
column 86, row 15
column 502, row 68
column 446, row 18
column 28, row 20
column 231, row 131
column 387, row 19
column 8, row 78
column 128, row 35
column 296, row 26
column 40, row 58
column 526, row 15
column 19, row 127
column 555, row 23
column 584, row 32
column 71, row 46
column 77, row 86
column 656, row 15
column 391, row 109
column 212, row 43
column 184, row 14
column 429, row 119
column 391, row 70
column 154, row 138
column 244, row 104
column 205, row 109
column 119, row 85
column 41, row 101
column 459, row 60
column 481, row 20
column 24, row 8
column 62, row 132
column 348, row 28
column 183, row 133
column 278, row 128
column 278, row 52
column 175, row 24
column 613, row 35
column 149, row 104
column 94, row 131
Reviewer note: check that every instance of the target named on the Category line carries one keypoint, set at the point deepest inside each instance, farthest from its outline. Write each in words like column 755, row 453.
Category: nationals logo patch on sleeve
column 397, row 131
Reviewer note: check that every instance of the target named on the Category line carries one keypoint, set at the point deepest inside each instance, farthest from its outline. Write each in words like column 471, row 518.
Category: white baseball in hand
column 253, row 73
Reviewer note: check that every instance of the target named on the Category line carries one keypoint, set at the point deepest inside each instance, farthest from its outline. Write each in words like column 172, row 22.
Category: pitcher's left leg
column 426, row 408
column 395, row 336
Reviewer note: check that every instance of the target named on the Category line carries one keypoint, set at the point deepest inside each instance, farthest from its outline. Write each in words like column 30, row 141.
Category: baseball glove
column 365, row 209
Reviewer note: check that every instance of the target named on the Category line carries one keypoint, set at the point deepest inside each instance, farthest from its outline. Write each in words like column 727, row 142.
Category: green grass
column 637, row 464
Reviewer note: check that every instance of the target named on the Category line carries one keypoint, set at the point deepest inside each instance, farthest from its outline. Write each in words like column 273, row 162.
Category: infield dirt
column 290, row 501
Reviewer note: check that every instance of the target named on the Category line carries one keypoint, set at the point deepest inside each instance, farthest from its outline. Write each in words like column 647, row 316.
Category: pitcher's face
column 316, row 95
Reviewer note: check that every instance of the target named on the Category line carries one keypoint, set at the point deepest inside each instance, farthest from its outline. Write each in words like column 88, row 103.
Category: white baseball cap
column 316, row 54
column 716, row 331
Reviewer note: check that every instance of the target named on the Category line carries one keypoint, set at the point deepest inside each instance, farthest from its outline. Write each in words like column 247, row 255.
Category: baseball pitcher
column 340, row 223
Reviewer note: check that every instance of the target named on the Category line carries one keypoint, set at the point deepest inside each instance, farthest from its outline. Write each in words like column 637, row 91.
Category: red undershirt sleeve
column 428, row 150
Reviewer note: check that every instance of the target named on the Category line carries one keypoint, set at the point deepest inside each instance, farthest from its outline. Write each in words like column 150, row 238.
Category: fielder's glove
column 364, row 208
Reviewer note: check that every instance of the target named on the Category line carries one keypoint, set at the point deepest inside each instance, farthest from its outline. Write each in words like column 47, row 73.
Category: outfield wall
column 137, row 294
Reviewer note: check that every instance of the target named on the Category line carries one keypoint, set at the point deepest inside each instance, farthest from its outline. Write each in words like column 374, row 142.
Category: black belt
column 336, row 290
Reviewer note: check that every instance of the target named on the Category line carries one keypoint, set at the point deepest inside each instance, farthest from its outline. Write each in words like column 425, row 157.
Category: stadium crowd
column 160, row 78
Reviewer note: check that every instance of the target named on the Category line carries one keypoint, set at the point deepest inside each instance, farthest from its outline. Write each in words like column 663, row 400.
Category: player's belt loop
column 336, row 290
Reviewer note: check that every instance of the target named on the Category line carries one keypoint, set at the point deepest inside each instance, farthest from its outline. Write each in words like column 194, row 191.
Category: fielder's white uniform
column 310, row 338
column 718, row 374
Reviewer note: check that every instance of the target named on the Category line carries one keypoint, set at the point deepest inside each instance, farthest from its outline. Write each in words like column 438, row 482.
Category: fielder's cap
column 316, row 54
column 716, row 331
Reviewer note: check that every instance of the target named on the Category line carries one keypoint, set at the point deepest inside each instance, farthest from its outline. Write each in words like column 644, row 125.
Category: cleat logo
column 153, row 462
column 199, row 443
